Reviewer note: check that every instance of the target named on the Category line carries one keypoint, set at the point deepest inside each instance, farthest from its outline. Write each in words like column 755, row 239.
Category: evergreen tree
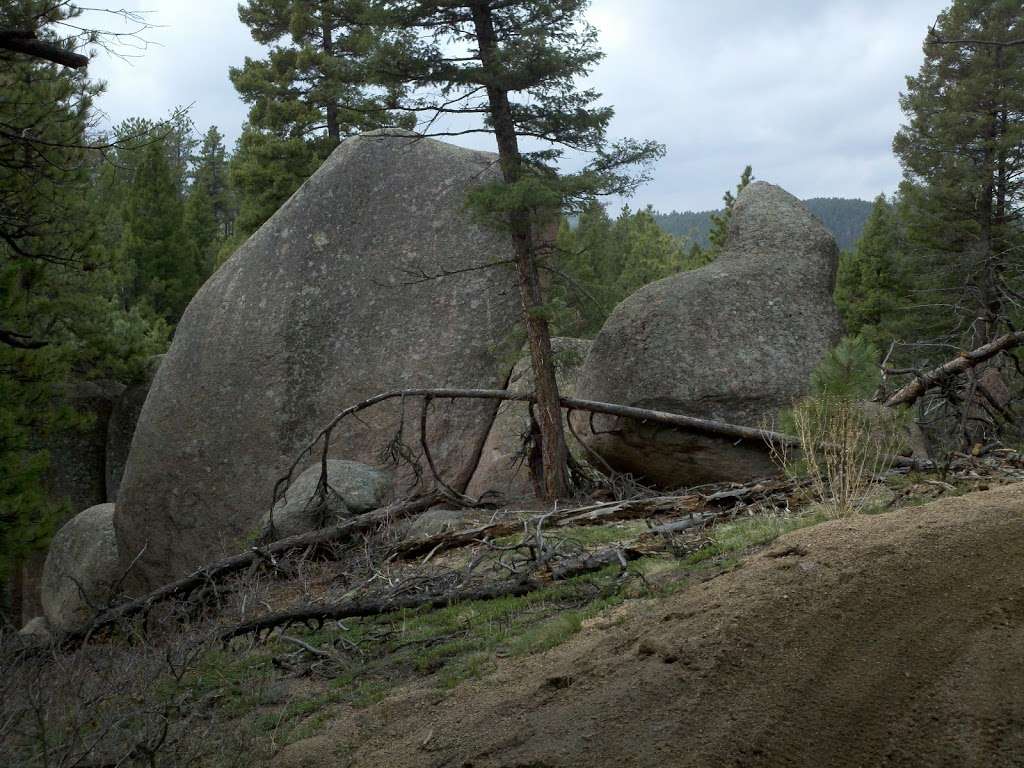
column 719, row 234
column 201, row 232
column 264, row 172
column 164, row 268
column 874, row 285
column 649, row 253
column 60, row 318
column 604, row 261
column 210, row 173
column 963, row 166
column 515, row 62
column 311, row 91
column 209, row 208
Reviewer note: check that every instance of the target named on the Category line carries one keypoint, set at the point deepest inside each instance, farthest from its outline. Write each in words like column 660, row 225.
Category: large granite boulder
column 352, row 488
column 504, row 472
column 734, row 341
column 81, row 569
column 332, row 300
column 121, row 427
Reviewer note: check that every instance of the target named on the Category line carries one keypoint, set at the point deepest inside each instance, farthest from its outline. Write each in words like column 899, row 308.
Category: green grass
column 586, row 536
column 461, row 642
column 741, row 535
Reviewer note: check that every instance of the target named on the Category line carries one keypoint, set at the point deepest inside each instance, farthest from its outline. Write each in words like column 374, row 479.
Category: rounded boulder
column 81, row 570
column 372, row 277
column 735, row 341
column 352, row 488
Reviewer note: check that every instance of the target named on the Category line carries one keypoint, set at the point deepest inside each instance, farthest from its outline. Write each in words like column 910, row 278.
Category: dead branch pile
column 220, row 570
column 315, row 616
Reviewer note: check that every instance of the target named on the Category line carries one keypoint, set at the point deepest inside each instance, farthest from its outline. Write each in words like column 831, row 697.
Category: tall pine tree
column 164, row 268
column 309, row 92
column 60, row 318
column 963, row 164
column 875, row 286
column 515, row 63
column 209, row 207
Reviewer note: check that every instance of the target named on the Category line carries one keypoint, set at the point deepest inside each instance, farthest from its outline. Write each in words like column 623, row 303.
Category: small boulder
column 353, row 488
column 734, row 341
column 37, row 631
column 503, row 469
column 81, row 569
column 76, row 475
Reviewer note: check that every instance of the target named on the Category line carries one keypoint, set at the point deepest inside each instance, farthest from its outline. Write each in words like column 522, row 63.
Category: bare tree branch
column 953, row 368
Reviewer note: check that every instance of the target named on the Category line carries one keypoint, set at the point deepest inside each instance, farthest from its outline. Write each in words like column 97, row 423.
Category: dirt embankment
column 895, row 640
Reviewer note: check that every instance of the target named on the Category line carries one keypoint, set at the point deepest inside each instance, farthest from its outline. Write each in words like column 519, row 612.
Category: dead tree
column 958, row 366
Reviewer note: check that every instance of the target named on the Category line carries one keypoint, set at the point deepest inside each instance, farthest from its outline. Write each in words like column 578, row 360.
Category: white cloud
column 805, row 91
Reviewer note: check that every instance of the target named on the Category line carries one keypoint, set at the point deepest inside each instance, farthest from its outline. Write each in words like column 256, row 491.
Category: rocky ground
column 775, row 639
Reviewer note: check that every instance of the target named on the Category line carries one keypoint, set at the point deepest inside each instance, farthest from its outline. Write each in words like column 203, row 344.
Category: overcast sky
column 804, row 90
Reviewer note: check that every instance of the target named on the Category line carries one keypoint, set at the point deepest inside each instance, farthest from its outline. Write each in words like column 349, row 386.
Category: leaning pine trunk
column 554, row 455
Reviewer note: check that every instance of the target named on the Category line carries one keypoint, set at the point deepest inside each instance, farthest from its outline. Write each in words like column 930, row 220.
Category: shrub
column 846, row 440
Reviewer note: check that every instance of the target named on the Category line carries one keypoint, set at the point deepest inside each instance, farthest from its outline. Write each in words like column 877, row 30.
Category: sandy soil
column 895, row 640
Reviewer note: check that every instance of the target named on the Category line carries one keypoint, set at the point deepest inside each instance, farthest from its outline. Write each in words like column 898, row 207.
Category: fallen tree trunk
column 686, row 524
column 591, row 515
column 183, row 587
column 707, row 427
column 315, row 616
column 913, row 391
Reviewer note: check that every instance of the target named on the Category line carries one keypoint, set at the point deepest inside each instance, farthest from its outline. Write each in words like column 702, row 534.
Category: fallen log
column 913, row 391
column 595, row 514
column 182, row 588
column 675, row 420
column 686, row 524
column 314, row 616
column 769, row 438
column 635, row 509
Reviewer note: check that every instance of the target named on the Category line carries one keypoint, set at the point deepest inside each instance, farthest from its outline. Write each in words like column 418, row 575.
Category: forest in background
column 844, row 217
column 106, row 234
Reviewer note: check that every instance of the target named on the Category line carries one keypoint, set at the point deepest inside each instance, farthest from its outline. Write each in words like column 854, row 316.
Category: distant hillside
column 844, row 217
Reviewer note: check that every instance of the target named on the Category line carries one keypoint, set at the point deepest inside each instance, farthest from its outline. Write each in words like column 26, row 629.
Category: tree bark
column 28, row 44
column 331, row 105
column 913, row 391
column 554, row 454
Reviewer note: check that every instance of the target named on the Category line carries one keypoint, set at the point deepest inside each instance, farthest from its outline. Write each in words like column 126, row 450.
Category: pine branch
column 19, row 41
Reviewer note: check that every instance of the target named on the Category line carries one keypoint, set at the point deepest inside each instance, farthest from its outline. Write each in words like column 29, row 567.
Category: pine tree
column 264, row 172
column 164, row 271
column 963, row 168
column 210, row 173
column 650, row 253
column 874, row 286
column 515, row 62
column 310, row 92
column 209, row 208
column 201, row 232
column 719, row 234
column 607, row 260
column 60, row 317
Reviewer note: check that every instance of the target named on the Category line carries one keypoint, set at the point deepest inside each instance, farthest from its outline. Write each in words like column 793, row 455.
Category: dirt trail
column 895, row 640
